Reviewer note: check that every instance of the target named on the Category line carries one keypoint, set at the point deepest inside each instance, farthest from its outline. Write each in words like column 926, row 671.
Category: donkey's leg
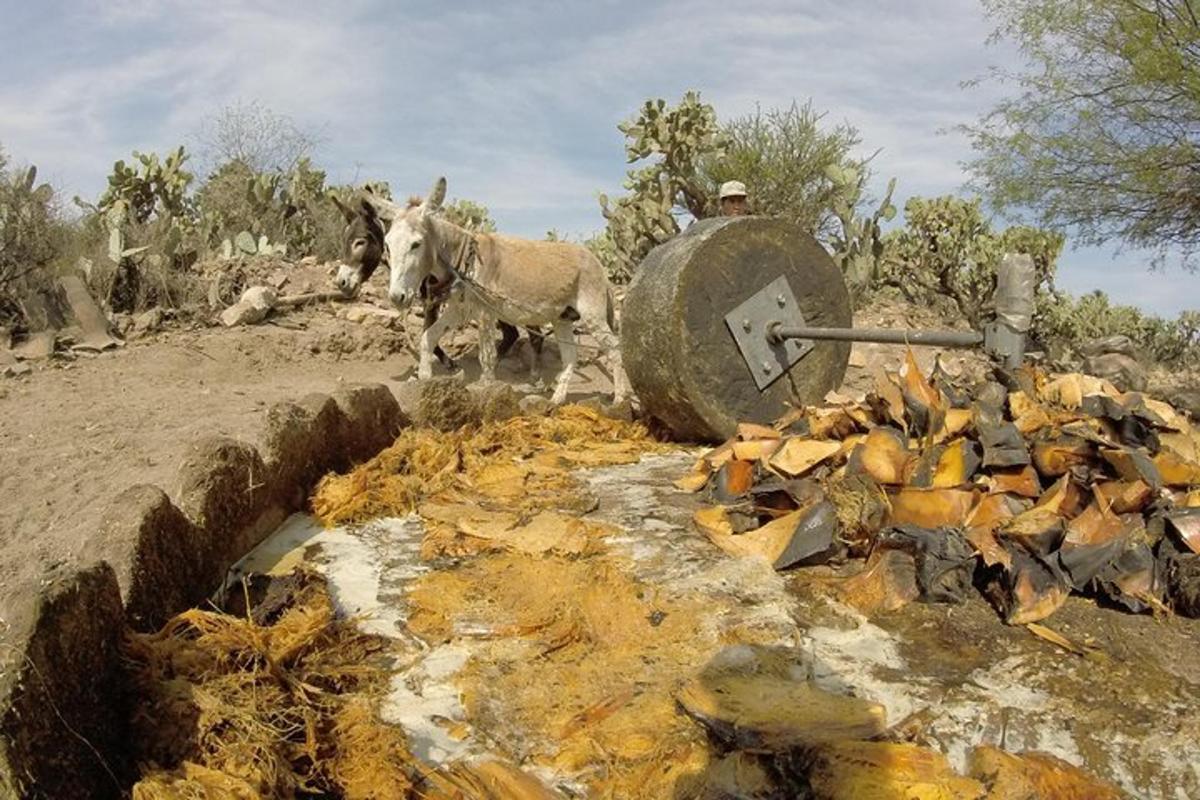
column 564, row 332
column 450, row 315
column 594, row 318
column 430, row 312
column 508, row 337
column 612, row 348
column 487, row 347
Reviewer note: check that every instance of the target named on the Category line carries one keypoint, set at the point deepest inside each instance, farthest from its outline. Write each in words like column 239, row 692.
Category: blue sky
column 516, row 102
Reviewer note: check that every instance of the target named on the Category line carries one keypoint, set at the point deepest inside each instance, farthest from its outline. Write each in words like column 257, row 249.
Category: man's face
column 733, row 206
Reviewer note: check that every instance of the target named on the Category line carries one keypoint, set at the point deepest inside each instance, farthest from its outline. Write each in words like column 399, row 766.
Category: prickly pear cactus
column 858, row 248
column 677, row 138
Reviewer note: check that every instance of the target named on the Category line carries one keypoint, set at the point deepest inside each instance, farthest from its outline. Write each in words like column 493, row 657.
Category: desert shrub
column 947, row 249
column 144, row 233
column 784, row 157
column 674, row 140
column 1066, row 320
column 291, row 209
column 32, row 237
column 793, row 167
column 470, row 215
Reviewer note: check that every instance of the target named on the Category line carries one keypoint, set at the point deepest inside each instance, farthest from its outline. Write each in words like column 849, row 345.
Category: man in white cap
column 732, row 199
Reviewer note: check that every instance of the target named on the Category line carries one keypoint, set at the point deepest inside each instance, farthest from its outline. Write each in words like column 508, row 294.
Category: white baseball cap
column 732, row 189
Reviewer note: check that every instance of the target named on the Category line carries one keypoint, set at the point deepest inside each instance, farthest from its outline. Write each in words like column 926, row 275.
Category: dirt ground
column 75, row 433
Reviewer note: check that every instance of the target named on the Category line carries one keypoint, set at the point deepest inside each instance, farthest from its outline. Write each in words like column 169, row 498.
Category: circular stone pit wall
column 63, row 702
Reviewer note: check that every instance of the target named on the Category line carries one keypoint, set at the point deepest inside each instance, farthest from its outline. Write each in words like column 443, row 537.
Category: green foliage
column 677, row 139
column 947, row 249
column 149, row 187
column 858, row 244
column 793, row 168
column 469, row 215
column 290, row 210
column 1100, row 135
column 29, row 234
column 786, row 158
column 1063, row 319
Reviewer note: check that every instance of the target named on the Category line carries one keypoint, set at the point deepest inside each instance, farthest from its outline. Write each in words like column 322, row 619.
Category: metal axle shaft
column 777, row 333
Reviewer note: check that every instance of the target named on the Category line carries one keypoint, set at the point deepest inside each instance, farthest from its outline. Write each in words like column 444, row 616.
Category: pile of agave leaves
column 1028, row 490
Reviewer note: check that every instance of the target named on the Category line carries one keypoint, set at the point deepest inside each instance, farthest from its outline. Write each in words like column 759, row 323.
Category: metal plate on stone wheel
column 685, row 367
column 766, row 360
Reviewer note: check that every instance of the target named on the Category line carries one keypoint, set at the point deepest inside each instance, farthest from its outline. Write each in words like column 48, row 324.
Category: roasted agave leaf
column 1003, row 445
column 945, row 561
column 932, row 508
column 1029, row 591
column 883, row 455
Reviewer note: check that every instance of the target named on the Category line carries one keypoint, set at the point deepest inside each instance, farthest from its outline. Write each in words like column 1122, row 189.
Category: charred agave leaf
column 957, row 463
column 814, row 539
column 1022, row 482
column 1038, row 530
column 732, row 481
column 1101, row 405
column 1183, row 584
column 1153, row 412
column 919, row 470
column 945, row 561
column 1134, row 579
column 888, row 583
column 1029, row 591
column 887, row 402
column 807, row 535
column 1184, row 526
column 1123, row 497
column 1003, row 445
column 1094, row 539
column 990, row 399
column 1064, row 498
column 1135, row 432
column 772, row 494
column 798, row 455
column 1094, row 431
column 924, row 404
column 954, row 394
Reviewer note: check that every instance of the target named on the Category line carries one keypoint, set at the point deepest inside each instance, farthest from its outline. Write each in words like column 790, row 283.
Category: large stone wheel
column 682, row 360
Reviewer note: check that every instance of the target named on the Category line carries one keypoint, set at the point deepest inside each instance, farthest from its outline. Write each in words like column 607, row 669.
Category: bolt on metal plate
column 775, row 302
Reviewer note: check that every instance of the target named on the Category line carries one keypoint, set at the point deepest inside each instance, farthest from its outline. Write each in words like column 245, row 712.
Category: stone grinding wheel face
column 682, row 360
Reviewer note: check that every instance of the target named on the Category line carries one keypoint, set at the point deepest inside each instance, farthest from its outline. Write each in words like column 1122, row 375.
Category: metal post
column 778, row 333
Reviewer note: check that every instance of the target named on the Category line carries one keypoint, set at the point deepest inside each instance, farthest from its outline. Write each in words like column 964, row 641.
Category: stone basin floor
column 1130, row 714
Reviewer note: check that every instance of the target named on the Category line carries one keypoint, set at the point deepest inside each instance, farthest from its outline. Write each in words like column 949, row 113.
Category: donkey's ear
column 367, row 209
column 436, row 195
column 342, row 207
column 383, row 208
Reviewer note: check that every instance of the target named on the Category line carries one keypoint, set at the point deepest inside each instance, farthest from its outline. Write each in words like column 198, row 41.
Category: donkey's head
column 412, row 247
column 362, row 244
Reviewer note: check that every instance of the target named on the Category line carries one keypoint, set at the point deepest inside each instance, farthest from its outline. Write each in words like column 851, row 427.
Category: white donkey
column 490, row 276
